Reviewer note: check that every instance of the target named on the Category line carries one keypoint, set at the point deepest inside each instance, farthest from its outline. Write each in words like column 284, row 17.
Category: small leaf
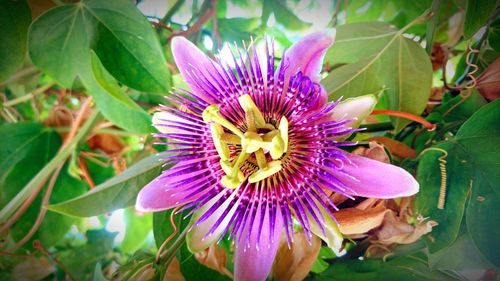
column 98, row 276
column 283, row 15
column 138, row 228
column 477, row 13
column 494, row 35
column 379, row 56
column 118, row 192
column 15, row 18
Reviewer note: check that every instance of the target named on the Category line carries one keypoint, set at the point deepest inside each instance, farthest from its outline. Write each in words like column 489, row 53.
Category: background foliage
column 79, row 81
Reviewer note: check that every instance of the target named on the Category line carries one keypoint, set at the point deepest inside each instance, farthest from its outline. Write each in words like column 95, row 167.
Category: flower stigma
column 267, row 148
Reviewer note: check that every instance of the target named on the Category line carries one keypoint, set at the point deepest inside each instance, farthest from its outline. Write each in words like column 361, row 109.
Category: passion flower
column 255, row 149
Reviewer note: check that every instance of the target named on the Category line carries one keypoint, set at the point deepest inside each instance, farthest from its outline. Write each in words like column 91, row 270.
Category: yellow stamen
column 222, row 148
column 212, row 114
column 274, row 142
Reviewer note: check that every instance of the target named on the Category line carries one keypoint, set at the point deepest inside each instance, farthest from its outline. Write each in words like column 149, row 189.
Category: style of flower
column 255, row 151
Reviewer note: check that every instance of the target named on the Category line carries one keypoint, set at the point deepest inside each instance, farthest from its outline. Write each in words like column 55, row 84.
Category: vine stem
column 406, row 115
column 64, row 151
column 198, row 24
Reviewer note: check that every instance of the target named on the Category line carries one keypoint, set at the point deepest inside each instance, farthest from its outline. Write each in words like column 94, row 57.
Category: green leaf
column 494, row 35
column 461, row 255
column 471, row 165
column 162, row 227
column 138, row 228
column 406, row 268
column 388, row 61
column 61, row 39
column 137, row 59
column 113, row 102
column 477, row 13
column 118, row 192
column 283, row 15
column 80, row 261
column 480, row 136
column 15, row 18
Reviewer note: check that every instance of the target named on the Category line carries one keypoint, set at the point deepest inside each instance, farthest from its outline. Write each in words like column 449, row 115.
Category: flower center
column 273, row 143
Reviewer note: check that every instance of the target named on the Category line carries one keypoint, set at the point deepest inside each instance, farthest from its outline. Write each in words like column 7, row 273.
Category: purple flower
column 255, row 150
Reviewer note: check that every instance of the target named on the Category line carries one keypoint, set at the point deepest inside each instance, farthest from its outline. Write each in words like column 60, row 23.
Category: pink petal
column 188, row 59
column 158, row 196
column 254, row 258
column 307, row 54
column 376, row 179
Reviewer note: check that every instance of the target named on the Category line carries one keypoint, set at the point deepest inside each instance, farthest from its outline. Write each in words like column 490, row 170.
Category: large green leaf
column 137, row 59
column 405, row 268
column 380, row 57
column 113, row 102
column 60, row 41
column 477, row 13
column 15, row 18
column 472, row 166
column 480, row 137
column 118, row 192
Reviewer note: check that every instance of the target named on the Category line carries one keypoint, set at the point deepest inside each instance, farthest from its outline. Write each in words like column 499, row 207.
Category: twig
column 215, row 32
column 162, row 25
column 85, row 171
column 20, row 74
column 172, row 10
column 198, row 24
column 30, row 95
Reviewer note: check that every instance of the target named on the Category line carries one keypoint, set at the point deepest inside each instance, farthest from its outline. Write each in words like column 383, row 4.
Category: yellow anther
column 249, row 106
column 230, row 138
column 252, row 142
column 283, row 128
column 212, row 114
column 261, row 159
column 277, row 147
column 221, row 147
column 272, row 168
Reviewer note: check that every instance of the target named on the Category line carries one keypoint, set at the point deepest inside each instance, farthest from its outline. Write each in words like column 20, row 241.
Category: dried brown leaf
column 173, row 272
column 375, row 152
column 395, row 230
column 397, row 148
column 215, row 258
column 295, row 263
column 356, row 221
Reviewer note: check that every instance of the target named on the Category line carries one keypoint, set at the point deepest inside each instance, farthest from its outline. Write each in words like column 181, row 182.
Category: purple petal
column 254, row 257
column 371, row 178
column 188, row 59
column 307, row 54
